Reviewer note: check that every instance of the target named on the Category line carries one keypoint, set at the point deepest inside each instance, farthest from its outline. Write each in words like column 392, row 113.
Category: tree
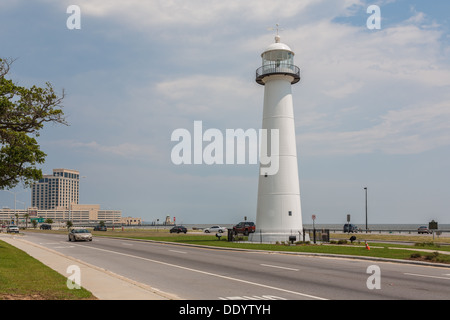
column 26, row 216
column 23, row 113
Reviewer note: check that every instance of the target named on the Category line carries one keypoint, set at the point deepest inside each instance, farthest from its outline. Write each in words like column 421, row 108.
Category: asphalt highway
column 194, row 273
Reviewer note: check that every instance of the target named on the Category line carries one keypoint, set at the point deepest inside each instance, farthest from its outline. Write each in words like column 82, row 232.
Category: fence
column 273, row 236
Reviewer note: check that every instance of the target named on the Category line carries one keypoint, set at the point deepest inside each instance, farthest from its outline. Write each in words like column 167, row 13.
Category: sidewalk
column 103, row 284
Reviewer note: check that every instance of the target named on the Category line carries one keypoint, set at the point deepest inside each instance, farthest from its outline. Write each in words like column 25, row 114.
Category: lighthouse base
column 273, row 236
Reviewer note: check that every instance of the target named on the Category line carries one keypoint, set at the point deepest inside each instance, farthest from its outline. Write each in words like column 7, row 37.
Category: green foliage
column 426, row 244
column 69, row 224
column 23, row 113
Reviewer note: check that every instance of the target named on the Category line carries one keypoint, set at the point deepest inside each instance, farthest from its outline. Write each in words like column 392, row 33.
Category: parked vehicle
column 12, row 228
column 423, row 229
column 350, row 228
column 76, row 234
column 178, row 229
column 244, row 227
column 215, row 229
column 45, row 226
column 100, row 228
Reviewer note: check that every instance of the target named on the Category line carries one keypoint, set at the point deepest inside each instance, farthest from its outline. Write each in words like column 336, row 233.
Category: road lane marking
column 210, row 274
column 265, row 297
column 278, row 267
column 178, row 251
column 425, row 276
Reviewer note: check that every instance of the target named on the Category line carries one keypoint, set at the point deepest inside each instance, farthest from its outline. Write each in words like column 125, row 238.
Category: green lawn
column 357, row 248
column 23, row 277
column 379, row 250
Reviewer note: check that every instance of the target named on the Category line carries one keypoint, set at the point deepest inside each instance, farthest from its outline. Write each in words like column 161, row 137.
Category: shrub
column 426, row 244
column 432, row 257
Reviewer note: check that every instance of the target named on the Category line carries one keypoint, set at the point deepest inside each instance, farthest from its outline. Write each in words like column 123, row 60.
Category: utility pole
column 366, row 208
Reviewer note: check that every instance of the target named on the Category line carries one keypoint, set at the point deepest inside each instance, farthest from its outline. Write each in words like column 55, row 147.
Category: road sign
column 313, row 217
column 433, row 225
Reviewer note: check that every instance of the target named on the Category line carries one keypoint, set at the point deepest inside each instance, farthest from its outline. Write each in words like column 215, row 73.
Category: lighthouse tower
column 279, row 215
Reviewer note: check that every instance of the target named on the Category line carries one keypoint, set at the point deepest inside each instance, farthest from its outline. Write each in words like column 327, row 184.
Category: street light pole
column 15, row 196
column 366, row 208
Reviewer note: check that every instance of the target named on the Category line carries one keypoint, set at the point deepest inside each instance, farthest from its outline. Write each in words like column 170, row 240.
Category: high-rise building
column 57, row 191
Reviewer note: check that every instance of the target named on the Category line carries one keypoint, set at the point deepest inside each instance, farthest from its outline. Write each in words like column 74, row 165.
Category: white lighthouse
column 279, row 216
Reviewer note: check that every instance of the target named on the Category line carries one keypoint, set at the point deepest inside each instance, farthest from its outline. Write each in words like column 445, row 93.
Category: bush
column 432, row 257
column 426, row 244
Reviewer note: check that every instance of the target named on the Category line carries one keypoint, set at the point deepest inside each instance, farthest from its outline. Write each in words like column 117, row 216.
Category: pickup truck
column 244, row 227
column 12, row 229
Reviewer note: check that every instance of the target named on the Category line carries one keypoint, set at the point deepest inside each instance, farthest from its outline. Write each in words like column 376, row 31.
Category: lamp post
column 15, row 195
column 365, row 189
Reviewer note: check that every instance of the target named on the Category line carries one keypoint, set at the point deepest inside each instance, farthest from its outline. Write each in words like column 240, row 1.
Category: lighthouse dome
column 277, row 46
column 278, row 59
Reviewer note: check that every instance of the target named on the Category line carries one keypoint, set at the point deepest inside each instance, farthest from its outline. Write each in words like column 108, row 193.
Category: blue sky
column 372, row 109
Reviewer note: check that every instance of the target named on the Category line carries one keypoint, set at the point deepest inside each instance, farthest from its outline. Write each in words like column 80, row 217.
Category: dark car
column 350, row 228
column 178, row 229
column 244, row 227
column 423, row 229
column 45, row 226
column 100, row 228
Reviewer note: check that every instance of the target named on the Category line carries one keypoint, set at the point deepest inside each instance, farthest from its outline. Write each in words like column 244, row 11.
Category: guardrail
column 390, row 231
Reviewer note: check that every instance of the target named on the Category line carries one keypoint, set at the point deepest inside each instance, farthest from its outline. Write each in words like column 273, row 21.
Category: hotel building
column 56, row 197
column 57, row 191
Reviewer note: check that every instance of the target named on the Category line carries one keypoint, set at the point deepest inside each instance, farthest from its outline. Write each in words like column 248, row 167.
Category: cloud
column 364, row 92
column 205, row 94
column 190, row 13
column 124, row 150
column 404, row 131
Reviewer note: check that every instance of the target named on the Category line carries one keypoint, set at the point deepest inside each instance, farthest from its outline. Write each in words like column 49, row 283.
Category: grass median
column 24, row 278
column 422, row 250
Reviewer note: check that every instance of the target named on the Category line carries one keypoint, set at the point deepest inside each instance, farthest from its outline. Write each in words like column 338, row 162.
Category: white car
column 215, row 229
column 12, row 229
column 80, row 234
